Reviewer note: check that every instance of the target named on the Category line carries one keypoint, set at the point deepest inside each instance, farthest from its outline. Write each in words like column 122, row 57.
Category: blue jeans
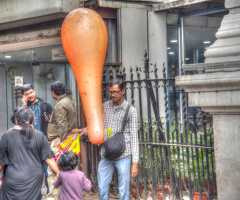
column 105, row 172
column 45, row 166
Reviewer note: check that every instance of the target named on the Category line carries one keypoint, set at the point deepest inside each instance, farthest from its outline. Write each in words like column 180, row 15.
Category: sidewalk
column 94, row 196
column 86, row 196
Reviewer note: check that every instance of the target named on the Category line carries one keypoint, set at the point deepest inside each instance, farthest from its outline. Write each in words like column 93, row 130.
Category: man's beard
column 32, row 100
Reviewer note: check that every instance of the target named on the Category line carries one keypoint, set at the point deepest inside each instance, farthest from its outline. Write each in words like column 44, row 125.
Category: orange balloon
column 84, row 39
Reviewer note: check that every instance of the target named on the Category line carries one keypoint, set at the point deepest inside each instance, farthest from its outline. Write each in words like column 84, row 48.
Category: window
column 199, row 34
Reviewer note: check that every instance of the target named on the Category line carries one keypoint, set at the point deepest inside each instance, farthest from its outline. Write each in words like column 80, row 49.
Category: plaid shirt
column 113, row 117
column 37, row 112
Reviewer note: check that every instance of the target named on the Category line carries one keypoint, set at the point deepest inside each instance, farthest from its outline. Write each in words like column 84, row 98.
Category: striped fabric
column 37, row 112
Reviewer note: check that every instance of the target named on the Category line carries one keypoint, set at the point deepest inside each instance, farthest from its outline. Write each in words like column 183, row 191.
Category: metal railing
column 176, row 145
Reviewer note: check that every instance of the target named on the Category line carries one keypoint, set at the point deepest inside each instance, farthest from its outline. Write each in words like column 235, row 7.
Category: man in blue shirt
column 42, row 111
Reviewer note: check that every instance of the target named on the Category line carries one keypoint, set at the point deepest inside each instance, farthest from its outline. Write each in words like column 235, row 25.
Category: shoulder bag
column 115, row 145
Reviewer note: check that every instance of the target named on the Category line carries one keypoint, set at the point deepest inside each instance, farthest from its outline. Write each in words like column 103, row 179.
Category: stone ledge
column 220, row 99
column 222, row 110
column 213, row 67
column 211, row 82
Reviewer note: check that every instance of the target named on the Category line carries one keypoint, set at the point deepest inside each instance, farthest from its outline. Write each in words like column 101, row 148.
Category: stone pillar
column 217, row 91
column 219, row 94
column 227, row 46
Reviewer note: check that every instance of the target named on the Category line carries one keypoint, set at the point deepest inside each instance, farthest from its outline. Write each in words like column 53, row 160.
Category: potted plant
column 202, row 164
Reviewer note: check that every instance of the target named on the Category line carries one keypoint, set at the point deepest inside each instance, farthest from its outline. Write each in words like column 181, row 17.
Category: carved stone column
column 217, row 91
column 227, row 46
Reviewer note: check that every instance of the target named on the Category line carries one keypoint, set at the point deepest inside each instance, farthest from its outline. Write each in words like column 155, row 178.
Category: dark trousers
column 45, row 166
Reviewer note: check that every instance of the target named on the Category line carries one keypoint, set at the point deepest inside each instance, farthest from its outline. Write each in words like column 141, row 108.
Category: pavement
column 94, row 196
column 86, row 195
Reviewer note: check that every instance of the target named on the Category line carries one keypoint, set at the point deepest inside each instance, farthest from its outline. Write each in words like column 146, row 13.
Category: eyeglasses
column 115, row 92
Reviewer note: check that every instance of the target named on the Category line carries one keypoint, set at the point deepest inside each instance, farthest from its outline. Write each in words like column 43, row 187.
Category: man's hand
column 134, row 170
column 24, row 101
column 47, row 117
column 80, row 131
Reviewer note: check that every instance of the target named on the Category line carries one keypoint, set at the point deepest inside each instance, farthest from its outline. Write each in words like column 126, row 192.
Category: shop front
column 39, row 66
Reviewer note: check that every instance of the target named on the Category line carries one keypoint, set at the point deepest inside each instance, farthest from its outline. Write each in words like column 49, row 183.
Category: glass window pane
column 172, row 50
column 199, row 34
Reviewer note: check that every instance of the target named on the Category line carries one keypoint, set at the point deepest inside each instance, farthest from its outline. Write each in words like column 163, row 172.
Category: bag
column 115, row 145
column 72, row 143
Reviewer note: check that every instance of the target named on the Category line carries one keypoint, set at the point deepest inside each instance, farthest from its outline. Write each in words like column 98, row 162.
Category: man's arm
column 80, row 131
column 134, row 170
column 133, row 126
column 62, row 121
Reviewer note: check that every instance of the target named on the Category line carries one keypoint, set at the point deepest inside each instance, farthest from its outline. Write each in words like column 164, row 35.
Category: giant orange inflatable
column 84, row 39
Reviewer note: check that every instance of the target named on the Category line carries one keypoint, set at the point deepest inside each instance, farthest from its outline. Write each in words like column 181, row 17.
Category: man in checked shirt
column 113, row 114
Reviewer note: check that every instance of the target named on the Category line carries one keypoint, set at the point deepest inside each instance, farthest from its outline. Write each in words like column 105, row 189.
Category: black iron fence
column 176, row 142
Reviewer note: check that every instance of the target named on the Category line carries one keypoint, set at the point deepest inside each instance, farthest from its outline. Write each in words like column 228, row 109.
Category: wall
column 157, row 31
column 134, row 42
column 13, row 10
column 13, row 94
column 202, row 21
column 172, row 18
column 41, row 85
column 143, row 30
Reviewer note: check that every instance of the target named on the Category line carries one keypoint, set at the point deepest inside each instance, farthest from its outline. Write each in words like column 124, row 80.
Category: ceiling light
column 187, row 58
column 168, row 48
column 173, row 41
column 206, row 42
column 8, row 56
column 171, row 53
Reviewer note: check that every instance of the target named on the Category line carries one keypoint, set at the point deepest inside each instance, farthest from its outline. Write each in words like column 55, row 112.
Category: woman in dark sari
column 22, row 151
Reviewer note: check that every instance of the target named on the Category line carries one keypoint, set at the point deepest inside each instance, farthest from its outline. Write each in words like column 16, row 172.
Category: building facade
column 172, row 33
column 31, row 50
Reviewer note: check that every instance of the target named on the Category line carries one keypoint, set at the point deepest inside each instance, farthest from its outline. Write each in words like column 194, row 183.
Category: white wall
column 158, row 49
column 134, row 36
column 142, row 30
column 134, row 32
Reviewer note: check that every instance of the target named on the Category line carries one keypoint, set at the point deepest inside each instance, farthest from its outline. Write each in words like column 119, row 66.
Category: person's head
column 68, row 161
column 25, row 117
column 57, row 89
column 116, row 90
column 29, row 92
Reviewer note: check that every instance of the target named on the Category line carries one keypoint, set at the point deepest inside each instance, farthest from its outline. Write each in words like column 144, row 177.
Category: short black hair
column 68, row 161
column 117, row 81
column 26, row 87
column 58, row 88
